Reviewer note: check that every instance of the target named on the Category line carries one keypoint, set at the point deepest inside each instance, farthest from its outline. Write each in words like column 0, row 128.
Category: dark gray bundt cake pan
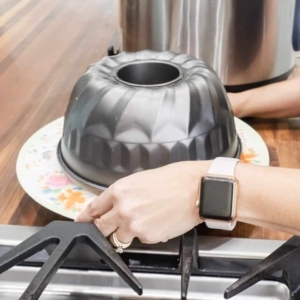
column 137, row 111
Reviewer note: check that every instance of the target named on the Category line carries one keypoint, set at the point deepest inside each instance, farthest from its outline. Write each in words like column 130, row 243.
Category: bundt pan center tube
column 138, row 111
column 149, row 73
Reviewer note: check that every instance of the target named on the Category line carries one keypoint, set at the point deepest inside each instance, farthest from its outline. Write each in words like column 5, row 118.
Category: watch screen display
column 216, row 198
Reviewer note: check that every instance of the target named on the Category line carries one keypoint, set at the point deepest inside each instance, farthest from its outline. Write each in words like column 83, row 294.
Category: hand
column 154, row 206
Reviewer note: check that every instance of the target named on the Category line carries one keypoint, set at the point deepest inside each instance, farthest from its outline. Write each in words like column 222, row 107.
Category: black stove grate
column 65, row 235
column 283, row 265
column 52, row 247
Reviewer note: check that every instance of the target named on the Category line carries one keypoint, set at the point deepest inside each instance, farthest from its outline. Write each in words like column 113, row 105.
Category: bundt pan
column 138, row 111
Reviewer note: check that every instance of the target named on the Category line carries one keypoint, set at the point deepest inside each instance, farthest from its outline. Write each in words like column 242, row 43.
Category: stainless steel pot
column 247, row 43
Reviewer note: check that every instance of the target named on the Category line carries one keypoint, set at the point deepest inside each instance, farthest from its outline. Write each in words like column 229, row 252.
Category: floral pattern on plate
column 41, row 175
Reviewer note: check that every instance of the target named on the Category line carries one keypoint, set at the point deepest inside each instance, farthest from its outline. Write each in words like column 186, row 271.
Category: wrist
column 240, row 103
column 218, row 194
column 243, row 209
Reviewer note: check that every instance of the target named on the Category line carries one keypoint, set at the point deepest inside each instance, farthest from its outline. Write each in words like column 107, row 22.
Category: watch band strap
column 228, row 226
column 222, row 166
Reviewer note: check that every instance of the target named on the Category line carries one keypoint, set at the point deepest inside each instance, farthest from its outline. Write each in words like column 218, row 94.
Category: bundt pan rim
column 124, row 65
column 96, row 188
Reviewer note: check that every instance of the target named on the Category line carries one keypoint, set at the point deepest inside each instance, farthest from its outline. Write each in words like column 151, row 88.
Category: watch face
column 217, row 198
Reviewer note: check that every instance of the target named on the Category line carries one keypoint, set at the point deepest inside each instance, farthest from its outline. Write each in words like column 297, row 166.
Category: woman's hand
column 154, row 205
column 160, row 204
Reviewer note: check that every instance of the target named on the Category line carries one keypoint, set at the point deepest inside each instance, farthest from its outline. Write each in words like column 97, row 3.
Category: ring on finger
column 117, row 244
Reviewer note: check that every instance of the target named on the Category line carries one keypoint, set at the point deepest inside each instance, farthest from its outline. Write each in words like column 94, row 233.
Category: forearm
column 269, row 197
column 279, row 100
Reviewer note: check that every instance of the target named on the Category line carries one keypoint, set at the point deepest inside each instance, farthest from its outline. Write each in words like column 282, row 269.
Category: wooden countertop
column 44, row 47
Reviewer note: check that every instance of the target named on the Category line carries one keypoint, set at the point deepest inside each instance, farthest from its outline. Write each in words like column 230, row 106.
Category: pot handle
column 296, row 31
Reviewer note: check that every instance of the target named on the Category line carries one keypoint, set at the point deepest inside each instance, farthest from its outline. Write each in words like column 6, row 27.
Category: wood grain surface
column 45, row 46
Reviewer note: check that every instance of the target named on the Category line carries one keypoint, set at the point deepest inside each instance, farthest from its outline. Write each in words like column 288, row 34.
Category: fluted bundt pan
column 137, row 111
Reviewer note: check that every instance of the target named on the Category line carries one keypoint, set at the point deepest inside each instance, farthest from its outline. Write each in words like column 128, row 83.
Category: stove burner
column 286, row 259
column 65, row 235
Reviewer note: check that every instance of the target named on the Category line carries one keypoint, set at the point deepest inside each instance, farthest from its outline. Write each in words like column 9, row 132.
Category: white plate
column 43, row 179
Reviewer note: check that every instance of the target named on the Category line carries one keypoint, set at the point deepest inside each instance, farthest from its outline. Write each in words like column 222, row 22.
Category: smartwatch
column 218, row 194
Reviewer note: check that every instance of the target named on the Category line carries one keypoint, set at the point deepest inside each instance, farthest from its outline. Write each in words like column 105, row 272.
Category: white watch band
column 222, row 166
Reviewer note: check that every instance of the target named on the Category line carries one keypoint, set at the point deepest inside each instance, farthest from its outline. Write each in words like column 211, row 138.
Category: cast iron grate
column 282, row 265
column 65, row 235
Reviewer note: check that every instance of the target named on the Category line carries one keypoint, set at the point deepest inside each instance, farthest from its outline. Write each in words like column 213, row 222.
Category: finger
column 124, row 236
column 147, row 242
column 96, row 208
column 107, row 223
column 150, row 239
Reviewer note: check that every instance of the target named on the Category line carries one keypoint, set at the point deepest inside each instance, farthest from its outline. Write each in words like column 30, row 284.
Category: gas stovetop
column 192, row 267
